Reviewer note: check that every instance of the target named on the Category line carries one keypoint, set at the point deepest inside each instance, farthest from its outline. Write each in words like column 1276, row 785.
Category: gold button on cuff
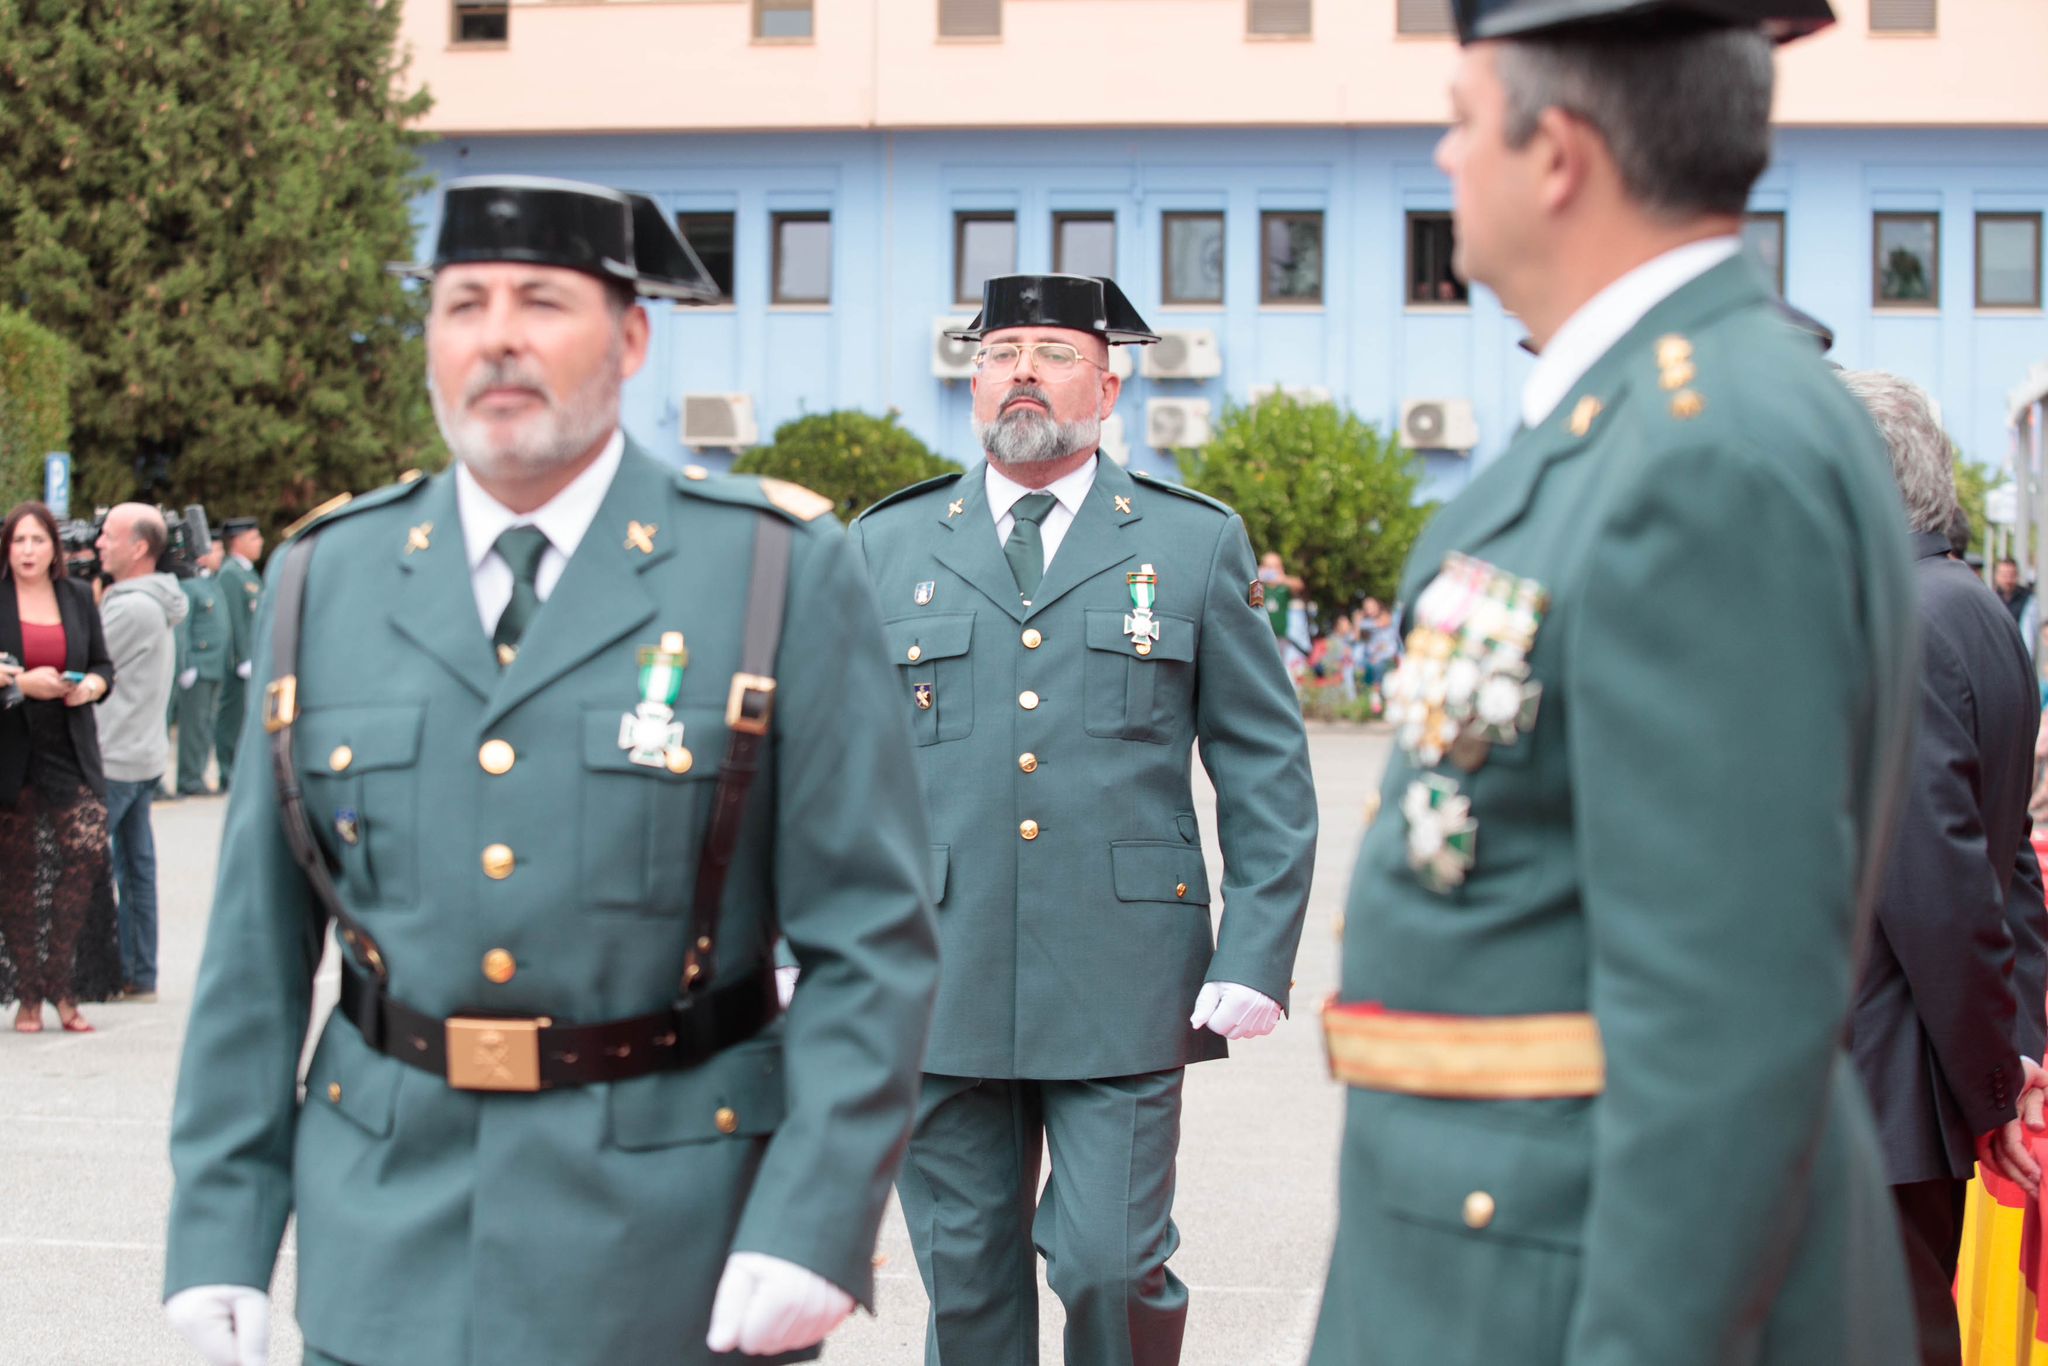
column 727, row 1119
column 1028, row 700
column 498, row 862
column 334, row 1091
column 1032, row 640
column 914, row 654
column 342, row 757
column 1028, row 762
column 500, row 966
column 1029, row 830
column 497, row 757
column 1180, row 889
column 1478, row 1209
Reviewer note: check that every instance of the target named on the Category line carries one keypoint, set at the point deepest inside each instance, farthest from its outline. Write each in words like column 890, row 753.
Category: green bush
column 35, row 404
column 1328, row 491
column 850, row 457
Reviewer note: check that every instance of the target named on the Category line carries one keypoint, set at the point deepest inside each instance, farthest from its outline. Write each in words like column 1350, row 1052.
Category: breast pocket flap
column 944, row 636
column 737, row 1094
column 355, row 739
column 1176, row 637
column 1159, row 870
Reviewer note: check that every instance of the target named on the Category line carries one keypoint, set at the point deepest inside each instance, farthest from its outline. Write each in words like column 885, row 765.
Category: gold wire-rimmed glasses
column 1048, row 357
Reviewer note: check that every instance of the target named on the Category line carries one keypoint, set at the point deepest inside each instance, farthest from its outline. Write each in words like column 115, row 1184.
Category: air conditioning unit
column 1176, row 423
column 1439, row 424
column 1120, row 361
column 1304, row 394
column 1114, row 443
column 719, row 420
column 952, row 359
column 1188, row 354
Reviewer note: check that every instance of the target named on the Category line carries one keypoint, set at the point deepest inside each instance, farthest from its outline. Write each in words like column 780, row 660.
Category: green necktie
column 1025, row 550
column 520, row 547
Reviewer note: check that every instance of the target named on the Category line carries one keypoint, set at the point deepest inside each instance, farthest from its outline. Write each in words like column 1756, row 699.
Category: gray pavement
column 85, row 1184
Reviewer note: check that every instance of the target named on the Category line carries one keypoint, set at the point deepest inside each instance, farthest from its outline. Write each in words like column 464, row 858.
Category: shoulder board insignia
column 796, row 500
column 334, row 504
column 911, row 491
column 1168, row 486
column 346, row 505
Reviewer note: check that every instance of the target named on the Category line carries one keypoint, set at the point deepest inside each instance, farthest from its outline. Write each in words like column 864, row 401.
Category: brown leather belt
column 533, row 1053
column 1468, row 1057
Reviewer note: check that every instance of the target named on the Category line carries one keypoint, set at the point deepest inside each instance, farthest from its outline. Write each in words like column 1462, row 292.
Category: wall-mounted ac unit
column 1439, row 424
column 719, row 420
column 1188, row 354
column 1176, row 423
column 1120, row 361
column 1114, row 443
column 952, row 359
column 1304, row 394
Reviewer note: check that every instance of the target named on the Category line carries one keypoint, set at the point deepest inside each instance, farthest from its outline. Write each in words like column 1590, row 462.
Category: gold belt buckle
column 494, row 1055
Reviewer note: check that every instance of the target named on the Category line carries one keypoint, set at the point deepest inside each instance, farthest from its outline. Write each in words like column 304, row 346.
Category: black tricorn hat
column 1782, row 20
column 1084, row 303
column 621, row 239
column 235, row 526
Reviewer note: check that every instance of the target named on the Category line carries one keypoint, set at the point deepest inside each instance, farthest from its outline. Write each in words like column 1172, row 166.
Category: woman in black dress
column 53, row 812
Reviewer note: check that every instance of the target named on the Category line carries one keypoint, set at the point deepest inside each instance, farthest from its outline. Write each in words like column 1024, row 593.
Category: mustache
column 1028, row 392
column 506, row 375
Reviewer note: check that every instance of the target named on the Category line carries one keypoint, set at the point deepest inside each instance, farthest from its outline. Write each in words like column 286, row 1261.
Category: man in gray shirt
column 139, row 612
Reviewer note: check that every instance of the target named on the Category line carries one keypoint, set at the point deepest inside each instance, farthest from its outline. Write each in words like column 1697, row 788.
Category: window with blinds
column 1279, row 18
column 782, row 19
column 970, row 18
column 1425, row 17
column 1902, row 16
column 480, row 21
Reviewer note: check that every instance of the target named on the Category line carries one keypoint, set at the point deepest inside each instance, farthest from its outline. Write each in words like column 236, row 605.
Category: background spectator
column 206, row 645
column 2019, row 600
column 139, row 612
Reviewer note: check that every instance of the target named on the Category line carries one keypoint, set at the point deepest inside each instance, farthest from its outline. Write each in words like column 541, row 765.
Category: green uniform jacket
column 205, row 637
column 586, row 1224
column 239, row 588
column 1683, row 843
column 1079, row 952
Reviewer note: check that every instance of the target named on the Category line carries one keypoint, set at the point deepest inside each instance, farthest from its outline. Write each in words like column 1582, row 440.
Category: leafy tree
column 201, row 196
column 1973, row 483
column 849, row 456
column 1327, row 490
column 35, row 404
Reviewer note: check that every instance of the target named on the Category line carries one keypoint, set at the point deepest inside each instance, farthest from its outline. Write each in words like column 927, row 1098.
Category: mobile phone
column 73, row 676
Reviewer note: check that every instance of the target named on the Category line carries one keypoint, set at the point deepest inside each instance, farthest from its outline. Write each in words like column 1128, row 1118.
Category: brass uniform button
column 915, row 653
column 498, row 862
column 342, row 757
column 1180, row 889
column 497, row 757
column 1029, row 830
column 1032, row 640
column 695, row 472
column 1028, row 700
column 334, row 1091
column 727, row 1119
column 1028, row 762
column 1478, row 1209
column 680, row 761
column 500, row 966
column 1143, row 647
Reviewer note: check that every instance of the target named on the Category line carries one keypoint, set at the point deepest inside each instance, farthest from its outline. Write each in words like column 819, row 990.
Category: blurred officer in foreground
column 1652, row 719
column 241, row 546
column 1064, row 633
column 516, row 708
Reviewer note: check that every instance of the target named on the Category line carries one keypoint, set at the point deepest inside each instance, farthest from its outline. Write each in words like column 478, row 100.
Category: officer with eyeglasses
column 1064, row 632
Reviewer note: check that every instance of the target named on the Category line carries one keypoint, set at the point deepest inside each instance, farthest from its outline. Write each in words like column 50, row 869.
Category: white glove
column 765, row 1305
column 187, row 679
column 1235, row 1012
column 785, row 984
column 229, row 1324
column 243, row 670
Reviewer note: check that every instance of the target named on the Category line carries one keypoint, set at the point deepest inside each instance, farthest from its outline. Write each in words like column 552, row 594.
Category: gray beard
column 1026, row 444
column 571, row 426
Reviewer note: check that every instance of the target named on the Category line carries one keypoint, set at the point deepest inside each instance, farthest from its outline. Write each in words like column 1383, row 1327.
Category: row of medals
column 1461, row 688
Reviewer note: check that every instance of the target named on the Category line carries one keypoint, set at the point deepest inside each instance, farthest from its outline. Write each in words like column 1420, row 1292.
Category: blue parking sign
column 57, row 483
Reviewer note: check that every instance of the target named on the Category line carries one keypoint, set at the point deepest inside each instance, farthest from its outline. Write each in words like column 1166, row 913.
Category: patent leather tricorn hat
column 1782, row 20
column 1082, row 303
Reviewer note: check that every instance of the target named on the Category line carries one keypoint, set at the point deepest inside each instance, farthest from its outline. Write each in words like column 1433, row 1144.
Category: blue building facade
column 1838, row 206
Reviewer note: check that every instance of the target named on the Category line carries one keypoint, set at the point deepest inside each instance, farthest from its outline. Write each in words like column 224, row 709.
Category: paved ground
column 84, row 1183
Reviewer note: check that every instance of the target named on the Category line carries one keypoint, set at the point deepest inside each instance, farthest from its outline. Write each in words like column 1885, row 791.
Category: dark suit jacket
column 1952, row 987
column 85, row 650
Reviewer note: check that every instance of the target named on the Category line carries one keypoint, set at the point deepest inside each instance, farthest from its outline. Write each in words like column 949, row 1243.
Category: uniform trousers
column 1103, row 1224
column 1931, row 1225
column 227, row 725
column 195, row 711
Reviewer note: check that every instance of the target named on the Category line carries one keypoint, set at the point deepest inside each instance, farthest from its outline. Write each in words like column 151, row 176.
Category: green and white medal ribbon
column 650, row 734
column 1138, row 624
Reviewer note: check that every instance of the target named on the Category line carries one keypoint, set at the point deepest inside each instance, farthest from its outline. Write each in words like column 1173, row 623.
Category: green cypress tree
column 200, row 196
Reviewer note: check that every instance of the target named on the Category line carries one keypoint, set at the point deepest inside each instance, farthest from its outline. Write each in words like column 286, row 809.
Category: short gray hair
column 1687, row 116
column 1923, row 461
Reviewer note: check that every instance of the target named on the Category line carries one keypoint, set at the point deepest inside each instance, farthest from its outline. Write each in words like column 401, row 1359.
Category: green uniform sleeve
column 1717, row 663
column 1252, row 743
column 852, row 853
column 237, row 1099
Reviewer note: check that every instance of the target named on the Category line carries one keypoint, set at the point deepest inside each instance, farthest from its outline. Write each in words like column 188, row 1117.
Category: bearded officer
column 241, row 542
column 1063, row 633
column 1597, row 955
column 521, row 703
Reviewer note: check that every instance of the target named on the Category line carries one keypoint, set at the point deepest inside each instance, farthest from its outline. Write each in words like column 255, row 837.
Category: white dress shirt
column 563, row 519
column 1605, row 319
column 1069, row 491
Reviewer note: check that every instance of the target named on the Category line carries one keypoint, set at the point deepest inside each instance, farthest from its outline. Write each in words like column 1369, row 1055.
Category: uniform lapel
column 1094, row 542
column 970, row 548
column 436, row 605
column 600, row 596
